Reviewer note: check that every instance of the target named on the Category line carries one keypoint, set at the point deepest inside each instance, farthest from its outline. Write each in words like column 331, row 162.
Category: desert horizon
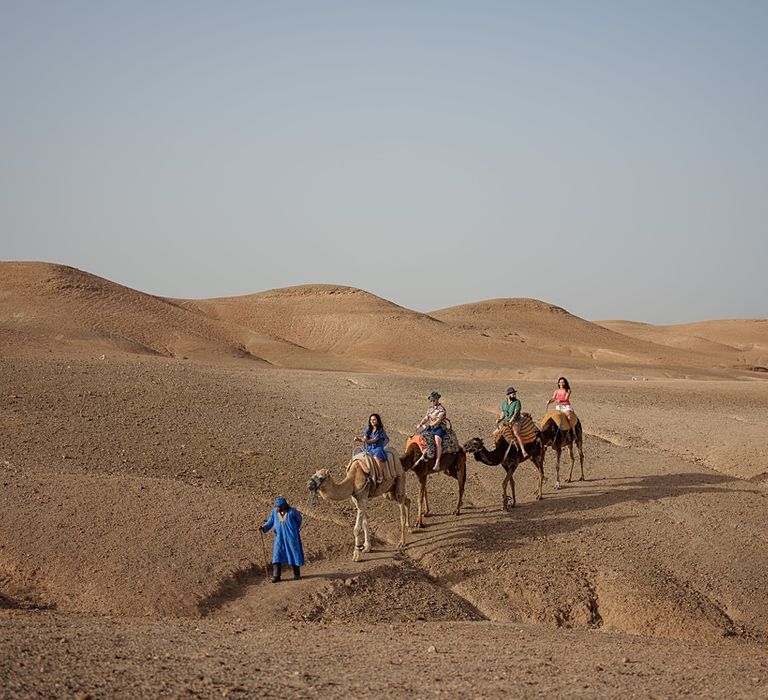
column 146, row 438
column 309, row 326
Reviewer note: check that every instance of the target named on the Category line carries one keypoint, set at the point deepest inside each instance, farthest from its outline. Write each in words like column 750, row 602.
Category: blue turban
column 280, row 501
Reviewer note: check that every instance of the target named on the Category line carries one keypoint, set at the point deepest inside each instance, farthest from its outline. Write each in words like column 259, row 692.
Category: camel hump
column 559, row 420
column 392, row 468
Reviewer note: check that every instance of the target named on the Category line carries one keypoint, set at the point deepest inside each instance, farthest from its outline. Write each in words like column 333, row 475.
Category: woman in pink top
column 562, row 400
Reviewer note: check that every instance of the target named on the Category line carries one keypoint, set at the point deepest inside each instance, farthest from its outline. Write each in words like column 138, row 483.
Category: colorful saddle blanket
column 528, row 431
column 559, row 419
column 368, row 464
column 426, row 442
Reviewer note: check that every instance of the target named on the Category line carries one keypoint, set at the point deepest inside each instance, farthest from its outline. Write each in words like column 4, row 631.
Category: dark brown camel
column 510, row 461
column 452, row 463
column 554, row 437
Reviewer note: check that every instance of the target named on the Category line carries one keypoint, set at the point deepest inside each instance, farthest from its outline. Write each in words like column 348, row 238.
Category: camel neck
column 337, row 491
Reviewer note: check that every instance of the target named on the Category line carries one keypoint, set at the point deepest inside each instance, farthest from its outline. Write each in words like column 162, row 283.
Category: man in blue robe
column 288, row 549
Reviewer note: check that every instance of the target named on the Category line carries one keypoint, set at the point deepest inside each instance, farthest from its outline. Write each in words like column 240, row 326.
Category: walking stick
column 264, row 549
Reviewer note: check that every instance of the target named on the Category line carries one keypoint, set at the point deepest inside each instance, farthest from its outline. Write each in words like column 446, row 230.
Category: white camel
column 360, row 487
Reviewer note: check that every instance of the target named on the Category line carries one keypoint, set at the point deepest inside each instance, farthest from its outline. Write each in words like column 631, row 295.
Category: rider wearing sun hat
column 433, row 422
column 510, row 415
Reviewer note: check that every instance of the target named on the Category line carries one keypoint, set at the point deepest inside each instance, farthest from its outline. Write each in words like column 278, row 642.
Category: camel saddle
column 426, row 442
column 392, row 468
column 528, row 431
column 559, row 419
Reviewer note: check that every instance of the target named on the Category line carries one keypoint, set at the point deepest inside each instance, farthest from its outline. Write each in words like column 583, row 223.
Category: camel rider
column 434, row 422
column 288, row 549
column 374, row 441
column 510, row 415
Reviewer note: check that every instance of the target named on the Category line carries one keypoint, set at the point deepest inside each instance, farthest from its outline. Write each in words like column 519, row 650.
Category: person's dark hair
column 567, row 386
column 368, row 429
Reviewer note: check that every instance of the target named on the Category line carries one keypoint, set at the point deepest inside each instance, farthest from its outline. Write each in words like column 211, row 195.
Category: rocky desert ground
column 143, row 440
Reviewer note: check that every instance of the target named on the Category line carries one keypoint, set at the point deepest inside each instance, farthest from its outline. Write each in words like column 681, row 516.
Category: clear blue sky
column 608, row 157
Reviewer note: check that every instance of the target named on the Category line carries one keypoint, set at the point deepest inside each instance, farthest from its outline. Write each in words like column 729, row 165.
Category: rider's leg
column 380, row 466
column 571, row 424
column 516, row 431
column 438, row 452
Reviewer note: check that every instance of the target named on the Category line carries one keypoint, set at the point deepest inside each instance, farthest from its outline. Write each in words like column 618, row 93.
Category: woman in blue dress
column 374, row 440
column 288, row 549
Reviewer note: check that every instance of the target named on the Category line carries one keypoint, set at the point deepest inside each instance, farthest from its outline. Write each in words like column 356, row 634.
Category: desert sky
column 606, row 158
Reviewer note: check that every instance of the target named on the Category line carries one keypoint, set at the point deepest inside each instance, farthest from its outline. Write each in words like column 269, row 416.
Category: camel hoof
column 457, row 512
column 509, row 506
column 556, row 486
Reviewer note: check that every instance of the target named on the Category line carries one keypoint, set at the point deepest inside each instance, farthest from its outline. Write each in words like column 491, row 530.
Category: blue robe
column 377, row 448
column 288, row 548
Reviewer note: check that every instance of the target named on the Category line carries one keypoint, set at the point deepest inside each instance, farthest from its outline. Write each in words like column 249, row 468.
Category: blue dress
column 288, row 548
column 377, row 448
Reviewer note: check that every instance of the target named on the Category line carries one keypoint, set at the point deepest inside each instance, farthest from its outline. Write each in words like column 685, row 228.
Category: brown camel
column 452, row 463
column 509, row 458
column 553, row 436
column 358, row 486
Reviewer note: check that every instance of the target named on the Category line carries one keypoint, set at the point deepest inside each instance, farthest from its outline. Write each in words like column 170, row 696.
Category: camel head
column 409, row 457
column 316, row 481
column 473, row 445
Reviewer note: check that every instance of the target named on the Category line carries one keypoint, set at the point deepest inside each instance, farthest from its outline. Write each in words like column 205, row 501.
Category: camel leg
column 581, row 459
column 539, row 462
column 508, row 479
column 366, row 533
column 422, row 499
column 357, row 530
column 573, row 460
column 461, row 477
column 398, row 494
column 558, row 450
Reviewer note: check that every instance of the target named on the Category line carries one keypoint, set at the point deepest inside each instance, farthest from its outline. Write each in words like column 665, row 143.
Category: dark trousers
column 277, row 570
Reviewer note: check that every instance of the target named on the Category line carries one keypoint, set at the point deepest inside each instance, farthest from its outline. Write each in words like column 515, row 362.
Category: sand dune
column 739, row 342
column 53, row 308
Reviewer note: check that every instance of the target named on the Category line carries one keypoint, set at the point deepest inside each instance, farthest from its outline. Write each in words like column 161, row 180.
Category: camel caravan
column 377, row 470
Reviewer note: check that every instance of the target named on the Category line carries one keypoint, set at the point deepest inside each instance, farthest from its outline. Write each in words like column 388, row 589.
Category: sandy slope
column 738, row 341
column 131, row 485
column 55, row 309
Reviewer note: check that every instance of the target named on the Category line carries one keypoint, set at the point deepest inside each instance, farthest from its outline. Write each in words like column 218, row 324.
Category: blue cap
column 511, row 390
column 434, row 396
column 280, row 501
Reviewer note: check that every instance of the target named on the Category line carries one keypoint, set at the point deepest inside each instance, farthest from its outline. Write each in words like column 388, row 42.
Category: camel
column 358, row 486
column 509, row 459
column 452, row 463
column 553, row 436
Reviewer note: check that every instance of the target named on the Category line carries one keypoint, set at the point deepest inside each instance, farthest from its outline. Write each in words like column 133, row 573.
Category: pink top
column 561, row 396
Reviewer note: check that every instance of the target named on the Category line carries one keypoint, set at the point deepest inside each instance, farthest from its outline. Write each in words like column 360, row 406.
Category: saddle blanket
column 559, row 419
column 426, row 442
column 392, row 468
column 528, row 431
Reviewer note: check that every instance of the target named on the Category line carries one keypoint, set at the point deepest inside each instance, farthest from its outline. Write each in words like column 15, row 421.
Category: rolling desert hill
column 54, row 308
column 743, row 342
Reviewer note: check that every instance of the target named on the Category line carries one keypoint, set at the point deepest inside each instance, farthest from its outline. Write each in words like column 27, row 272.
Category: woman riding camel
column 434, row 422
column 510, row 415
column 562, row 400
column 374, row 441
